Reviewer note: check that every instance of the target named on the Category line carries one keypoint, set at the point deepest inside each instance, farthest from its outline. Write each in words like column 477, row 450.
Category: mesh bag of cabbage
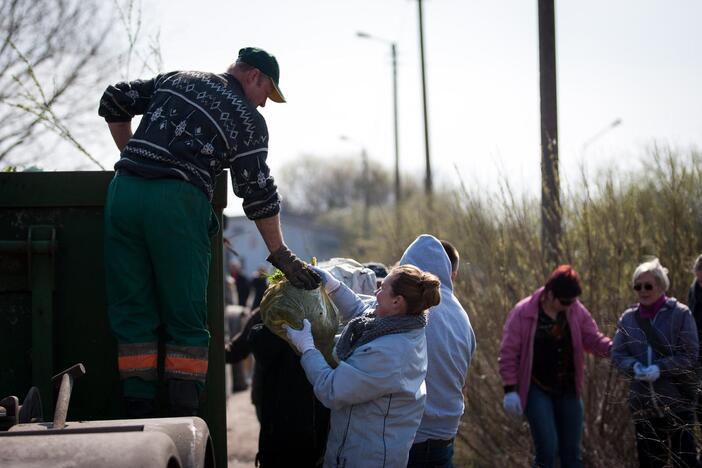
column 284, row 303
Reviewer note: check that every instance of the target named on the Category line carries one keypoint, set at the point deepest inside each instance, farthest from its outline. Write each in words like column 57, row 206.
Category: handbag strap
column 651, row 335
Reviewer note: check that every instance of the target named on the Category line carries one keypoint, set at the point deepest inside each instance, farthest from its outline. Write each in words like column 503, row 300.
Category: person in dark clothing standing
column 159, row 222
column 694, row 302
column 694, row 297
column 656, row 348
column 239, row 349
column 294, row 424
column 241, row 282
column 259, row 284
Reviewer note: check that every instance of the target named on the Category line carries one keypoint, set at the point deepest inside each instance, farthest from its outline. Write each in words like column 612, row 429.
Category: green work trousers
column 157, row 258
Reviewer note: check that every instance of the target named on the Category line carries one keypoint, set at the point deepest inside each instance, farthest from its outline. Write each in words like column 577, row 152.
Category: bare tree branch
column 54, row 54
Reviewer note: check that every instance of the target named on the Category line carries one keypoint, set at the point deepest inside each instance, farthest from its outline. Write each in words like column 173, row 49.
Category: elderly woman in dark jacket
column 656, row 346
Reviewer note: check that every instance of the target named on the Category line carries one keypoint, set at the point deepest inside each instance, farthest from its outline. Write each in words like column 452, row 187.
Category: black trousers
column 668, row 437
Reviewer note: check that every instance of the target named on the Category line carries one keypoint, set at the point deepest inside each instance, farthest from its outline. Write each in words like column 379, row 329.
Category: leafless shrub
column 610, row 225
column 55, row 57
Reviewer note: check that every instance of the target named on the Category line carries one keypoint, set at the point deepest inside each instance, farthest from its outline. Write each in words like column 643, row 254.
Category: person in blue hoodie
column 450, row 346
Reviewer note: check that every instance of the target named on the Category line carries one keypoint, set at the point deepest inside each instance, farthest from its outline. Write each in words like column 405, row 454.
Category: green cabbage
column 283, row 303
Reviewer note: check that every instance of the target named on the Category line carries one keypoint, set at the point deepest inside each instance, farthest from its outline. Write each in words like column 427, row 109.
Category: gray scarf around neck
column 367, row 327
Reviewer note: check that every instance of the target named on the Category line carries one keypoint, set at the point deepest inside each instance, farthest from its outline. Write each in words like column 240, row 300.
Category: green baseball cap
column 265, row 62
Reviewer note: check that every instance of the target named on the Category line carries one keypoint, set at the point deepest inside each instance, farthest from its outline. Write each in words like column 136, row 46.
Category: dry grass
column 610, row 225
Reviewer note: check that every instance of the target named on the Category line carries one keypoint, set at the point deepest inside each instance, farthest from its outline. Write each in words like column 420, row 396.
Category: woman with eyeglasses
column 656, row 346
column 543, row 344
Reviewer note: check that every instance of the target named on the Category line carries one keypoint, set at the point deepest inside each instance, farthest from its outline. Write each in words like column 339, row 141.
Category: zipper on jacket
column 531, row 358
column 385, row 418
column 343, row 439
column 578, row 392
column 314, row 423
column 651, row 355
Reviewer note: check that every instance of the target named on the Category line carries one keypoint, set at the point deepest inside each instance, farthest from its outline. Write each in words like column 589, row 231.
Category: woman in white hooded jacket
column 376, row 394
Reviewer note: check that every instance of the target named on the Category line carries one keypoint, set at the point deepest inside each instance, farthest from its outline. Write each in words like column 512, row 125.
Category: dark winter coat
column 294, row 424
column 677, row 331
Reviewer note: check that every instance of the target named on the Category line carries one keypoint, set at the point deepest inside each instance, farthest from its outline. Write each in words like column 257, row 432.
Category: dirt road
column 242, row 430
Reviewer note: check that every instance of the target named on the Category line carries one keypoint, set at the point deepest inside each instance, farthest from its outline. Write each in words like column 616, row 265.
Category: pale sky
column 635, row 60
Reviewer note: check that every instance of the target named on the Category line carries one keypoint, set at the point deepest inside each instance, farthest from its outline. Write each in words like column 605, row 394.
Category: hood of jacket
column 427, row 253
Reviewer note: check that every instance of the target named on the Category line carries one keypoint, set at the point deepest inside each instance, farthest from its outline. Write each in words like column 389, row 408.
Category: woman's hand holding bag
column 301, row 339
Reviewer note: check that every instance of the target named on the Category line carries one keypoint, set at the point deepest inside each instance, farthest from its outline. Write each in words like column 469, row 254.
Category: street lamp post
column 366, row 186
column 393, row 51
column 614, row 124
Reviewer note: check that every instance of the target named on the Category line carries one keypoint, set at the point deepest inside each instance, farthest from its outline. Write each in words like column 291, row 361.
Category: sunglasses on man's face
column 646, row 286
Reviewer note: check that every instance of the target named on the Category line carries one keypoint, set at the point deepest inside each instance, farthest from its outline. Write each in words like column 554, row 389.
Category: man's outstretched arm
column 295, row 270
column 270, row 232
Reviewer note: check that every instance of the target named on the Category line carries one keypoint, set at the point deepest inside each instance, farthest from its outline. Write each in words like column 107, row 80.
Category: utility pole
column 550, row 183
column 398, row 190
column 427, row 181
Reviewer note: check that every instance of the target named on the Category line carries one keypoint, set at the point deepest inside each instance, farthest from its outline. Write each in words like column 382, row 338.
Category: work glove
column 295, row 270
column 301, row 339
column 651, row 373
column 330, row 283
column 646, row 374
column 512, row 404
column 639, row 373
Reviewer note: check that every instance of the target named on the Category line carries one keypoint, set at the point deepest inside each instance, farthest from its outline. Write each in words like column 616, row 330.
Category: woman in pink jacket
column 541, row 365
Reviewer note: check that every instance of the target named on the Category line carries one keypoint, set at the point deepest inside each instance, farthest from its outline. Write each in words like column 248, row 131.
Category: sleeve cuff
column 265, row 211
column 114, row 119
column 510, row 388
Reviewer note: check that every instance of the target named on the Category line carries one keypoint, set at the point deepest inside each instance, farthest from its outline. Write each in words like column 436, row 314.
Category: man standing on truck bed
column 158, row 218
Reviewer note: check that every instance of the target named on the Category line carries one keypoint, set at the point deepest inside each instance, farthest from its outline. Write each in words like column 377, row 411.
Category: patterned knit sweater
column 194, row 125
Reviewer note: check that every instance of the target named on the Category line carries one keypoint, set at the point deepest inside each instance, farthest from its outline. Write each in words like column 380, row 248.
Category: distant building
column 301, row 235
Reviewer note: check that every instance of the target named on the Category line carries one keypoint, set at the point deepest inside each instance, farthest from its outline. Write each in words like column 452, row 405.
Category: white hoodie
column 450, row 345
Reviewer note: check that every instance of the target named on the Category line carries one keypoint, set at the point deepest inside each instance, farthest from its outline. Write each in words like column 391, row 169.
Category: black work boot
column 184, row 396
column 139, row 408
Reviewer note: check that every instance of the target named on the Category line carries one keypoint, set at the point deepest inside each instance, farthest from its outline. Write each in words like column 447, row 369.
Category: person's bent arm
column 350, row 305
column 594, row 341
column 121, row 133
column 620, row 354
column 510, row 352
column 239, row 347
column 294, row 269
column 371, row 377
column 121, row 102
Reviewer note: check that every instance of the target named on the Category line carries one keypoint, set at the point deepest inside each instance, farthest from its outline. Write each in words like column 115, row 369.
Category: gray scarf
column 367, row 327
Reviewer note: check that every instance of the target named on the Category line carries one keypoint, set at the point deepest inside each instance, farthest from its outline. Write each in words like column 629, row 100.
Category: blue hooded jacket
column 376, row 396
column 450, row 345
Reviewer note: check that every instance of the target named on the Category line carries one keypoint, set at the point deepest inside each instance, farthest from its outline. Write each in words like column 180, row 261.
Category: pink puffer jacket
column 517, row 347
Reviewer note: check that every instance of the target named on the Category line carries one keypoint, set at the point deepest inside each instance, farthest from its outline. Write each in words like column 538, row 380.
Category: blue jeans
column 556, row 426
column 426, row 456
